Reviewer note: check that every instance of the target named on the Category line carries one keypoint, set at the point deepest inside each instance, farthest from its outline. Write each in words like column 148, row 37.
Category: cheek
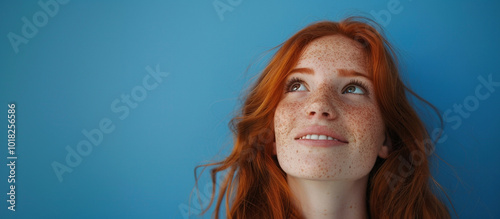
column 365, row 123
column 368, row 133
column 365, row 127
column 285, row 118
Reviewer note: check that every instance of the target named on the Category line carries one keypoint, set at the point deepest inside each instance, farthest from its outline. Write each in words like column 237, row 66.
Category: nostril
column 326, row 114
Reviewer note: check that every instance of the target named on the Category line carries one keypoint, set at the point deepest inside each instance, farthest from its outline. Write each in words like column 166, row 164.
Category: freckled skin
column 356, row 117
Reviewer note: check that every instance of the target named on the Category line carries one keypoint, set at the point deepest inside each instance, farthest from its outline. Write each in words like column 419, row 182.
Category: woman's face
column 328, row 124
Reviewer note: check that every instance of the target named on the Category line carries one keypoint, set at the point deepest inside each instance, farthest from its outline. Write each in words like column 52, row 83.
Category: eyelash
column 356, row 82
column 291, row 82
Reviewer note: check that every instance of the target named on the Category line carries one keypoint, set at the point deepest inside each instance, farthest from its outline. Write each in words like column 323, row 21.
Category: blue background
column 89, row 53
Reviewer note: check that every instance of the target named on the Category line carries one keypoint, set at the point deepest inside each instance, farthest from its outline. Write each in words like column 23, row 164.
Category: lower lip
column 320, row 143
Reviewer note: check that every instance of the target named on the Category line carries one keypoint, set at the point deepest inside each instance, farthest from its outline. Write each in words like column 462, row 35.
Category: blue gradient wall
column 130, row 95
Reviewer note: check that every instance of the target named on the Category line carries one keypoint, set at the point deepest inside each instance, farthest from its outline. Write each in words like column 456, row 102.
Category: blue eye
column 355, row 87
column 295, row 84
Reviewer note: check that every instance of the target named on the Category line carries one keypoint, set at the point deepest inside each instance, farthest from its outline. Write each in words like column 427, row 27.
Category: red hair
column 399, row 186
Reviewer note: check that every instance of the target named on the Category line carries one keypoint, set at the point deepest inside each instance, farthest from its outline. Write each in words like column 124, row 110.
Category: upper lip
column 319, row 130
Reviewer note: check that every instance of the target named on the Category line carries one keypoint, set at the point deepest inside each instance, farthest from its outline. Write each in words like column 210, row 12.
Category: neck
column 319, row 199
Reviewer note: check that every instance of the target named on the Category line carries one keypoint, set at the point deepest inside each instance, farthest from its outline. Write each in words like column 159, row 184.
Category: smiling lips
column 319, row 136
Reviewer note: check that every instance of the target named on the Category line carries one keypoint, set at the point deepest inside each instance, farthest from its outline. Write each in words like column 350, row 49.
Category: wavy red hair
column 400, row 186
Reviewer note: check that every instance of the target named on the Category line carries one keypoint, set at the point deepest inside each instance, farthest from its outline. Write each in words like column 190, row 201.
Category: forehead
column 334, row 51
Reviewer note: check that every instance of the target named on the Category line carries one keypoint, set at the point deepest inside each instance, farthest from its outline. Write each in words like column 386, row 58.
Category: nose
column 321, row 106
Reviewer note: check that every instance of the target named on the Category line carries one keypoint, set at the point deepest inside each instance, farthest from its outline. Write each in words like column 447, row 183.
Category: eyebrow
column 342, row 72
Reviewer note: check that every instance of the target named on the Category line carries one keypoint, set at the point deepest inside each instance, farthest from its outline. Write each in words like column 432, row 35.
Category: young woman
column 327, row 132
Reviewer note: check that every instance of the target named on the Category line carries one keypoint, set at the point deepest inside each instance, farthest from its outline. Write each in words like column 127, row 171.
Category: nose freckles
column 320, row 105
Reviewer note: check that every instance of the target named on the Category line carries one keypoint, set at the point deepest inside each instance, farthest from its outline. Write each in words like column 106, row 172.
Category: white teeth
column 318, row 137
